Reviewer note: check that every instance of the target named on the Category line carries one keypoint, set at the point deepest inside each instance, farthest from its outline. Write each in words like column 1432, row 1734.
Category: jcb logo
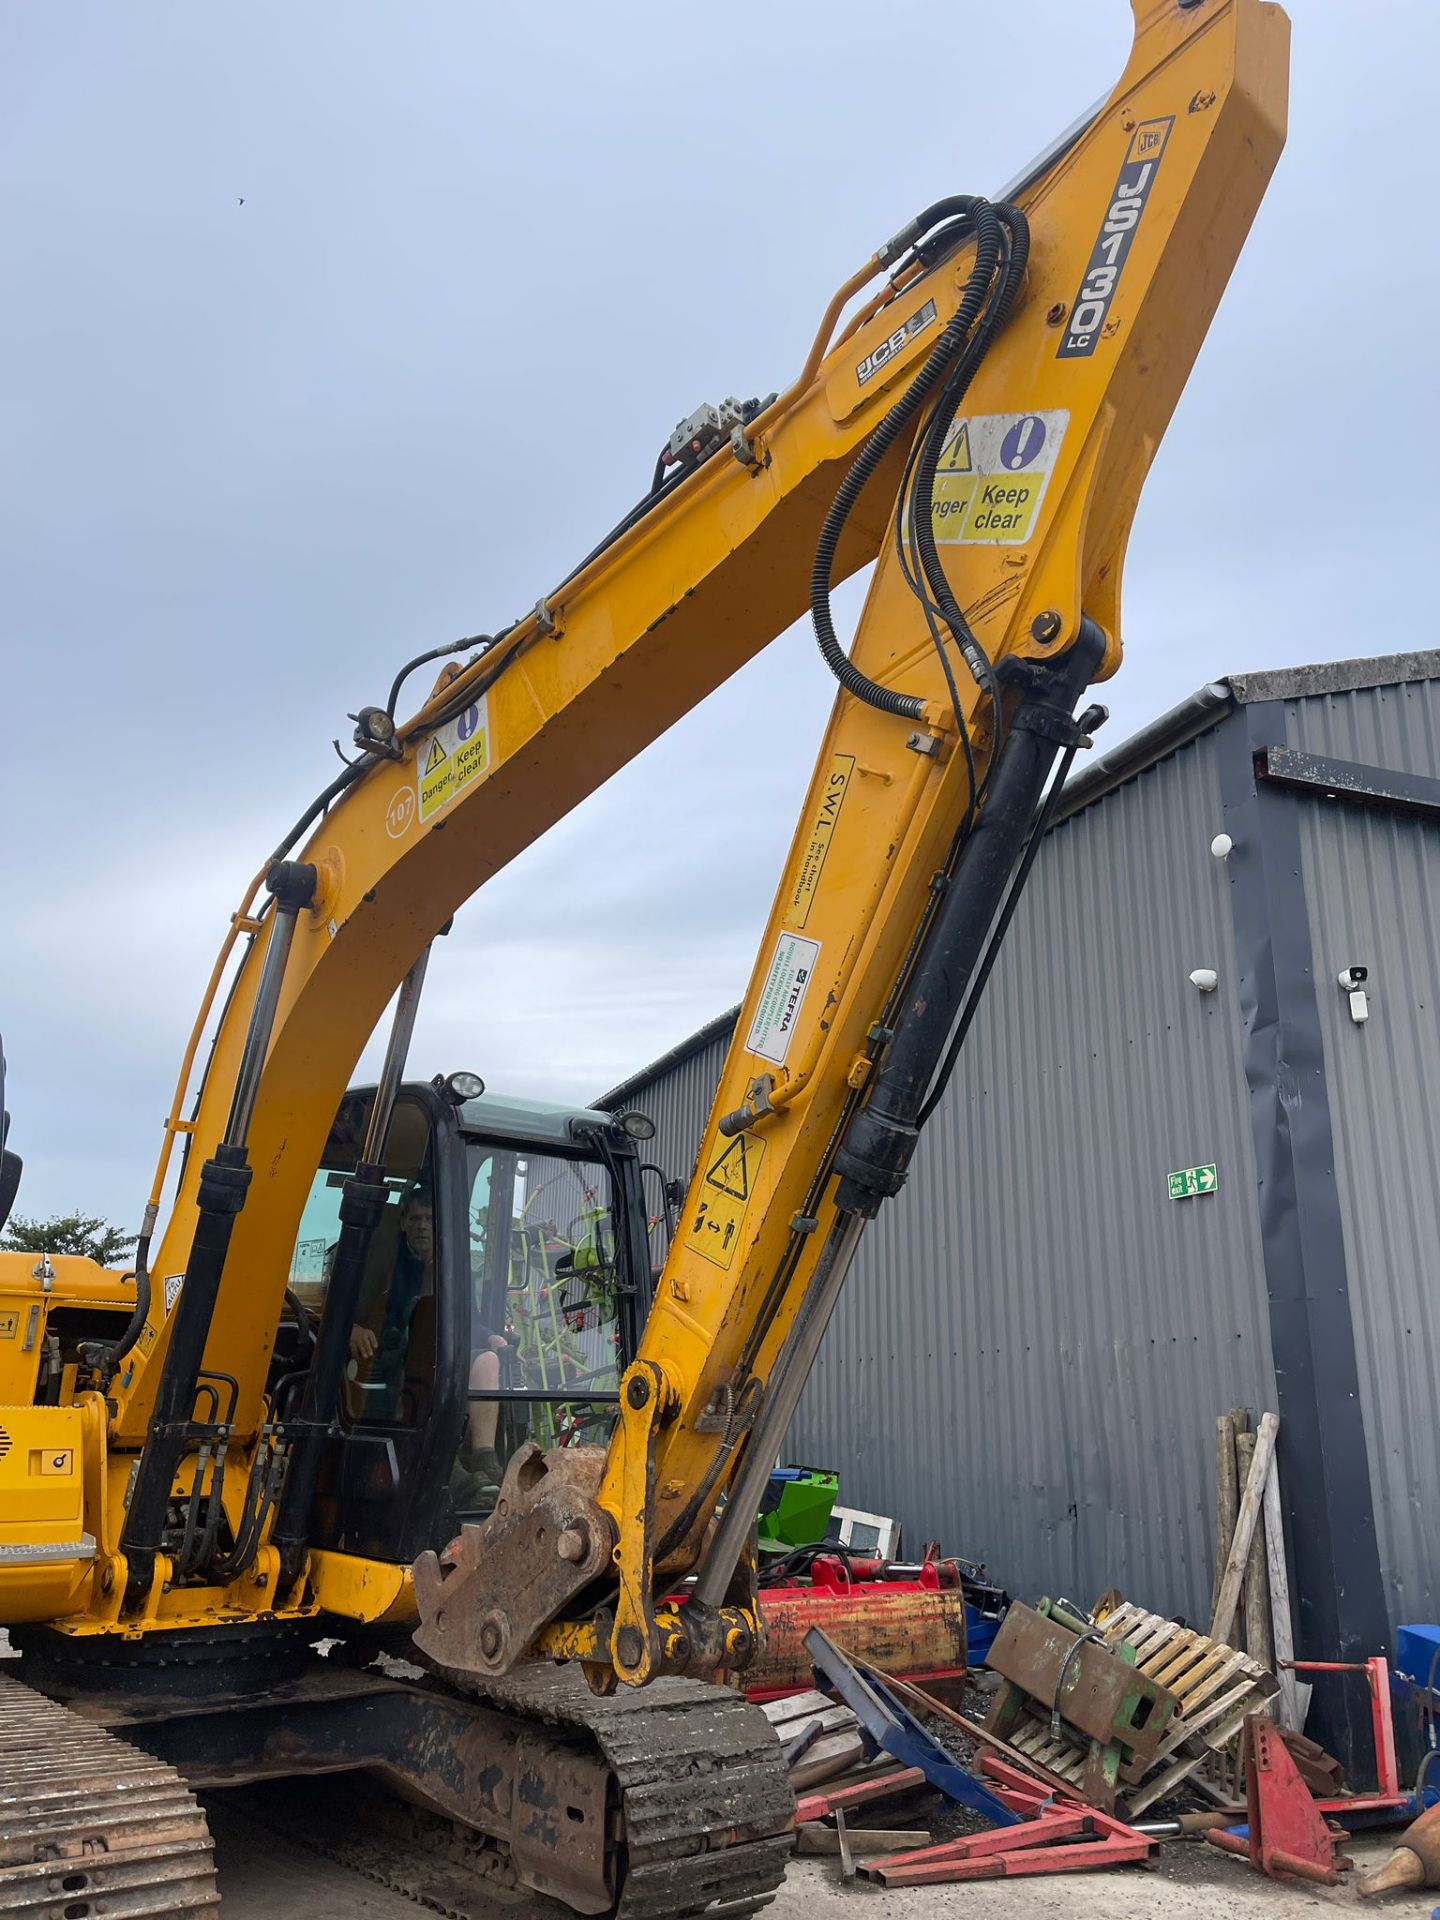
column 882, row 355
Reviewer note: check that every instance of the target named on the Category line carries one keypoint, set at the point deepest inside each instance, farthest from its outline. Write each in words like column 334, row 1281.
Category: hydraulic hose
column 1018, row 232
column 480, row 641
column 977, row 289
column 104, row 1356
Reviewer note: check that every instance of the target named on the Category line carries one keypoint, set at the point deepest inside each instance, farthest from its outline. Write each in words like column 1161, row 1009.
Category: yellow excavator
column 390, row 1454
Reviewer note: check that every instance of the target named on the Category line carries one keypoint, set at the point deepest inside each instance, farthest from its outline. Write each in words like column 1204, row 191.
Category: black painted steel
column 361, row 1204
column 1325, row 1474
column 1352, row 780
column 224, row 1181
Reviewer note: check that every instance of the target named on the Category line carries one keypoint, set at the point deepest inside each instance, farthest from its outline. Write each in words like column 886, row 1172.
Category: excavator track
column 694, row 1805
column 90, row 1826
column 701, row 1820
column 706, row 1804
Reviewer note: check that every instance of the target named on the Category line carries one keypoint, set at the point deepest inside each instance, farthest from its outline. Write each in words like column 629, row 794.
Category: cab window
column 390, row 1372
column 545, row 1277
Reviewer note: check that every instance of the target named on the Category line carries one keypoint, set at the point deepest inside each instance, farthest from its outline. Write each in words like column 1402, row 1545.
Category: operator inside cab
column 380, row 1338
column 487, row 1315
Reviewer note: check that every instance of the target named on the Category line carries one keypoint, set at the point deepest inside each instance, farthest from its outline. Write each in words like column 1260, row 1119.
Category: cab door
column 384, row 1489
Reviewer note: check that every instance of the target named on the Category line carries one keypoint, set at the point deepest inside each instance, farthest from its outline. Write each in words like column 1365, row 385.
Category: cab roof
column 537, row 1122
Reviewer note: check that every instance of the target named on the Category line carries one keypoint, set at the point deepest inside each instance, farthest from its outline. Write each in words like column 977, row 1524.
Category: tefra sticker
column 782, row 997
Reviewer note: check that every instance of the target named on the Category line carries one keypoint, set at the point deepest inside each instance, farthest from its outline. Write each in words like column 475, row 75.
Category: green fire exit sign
column 1190, row 1181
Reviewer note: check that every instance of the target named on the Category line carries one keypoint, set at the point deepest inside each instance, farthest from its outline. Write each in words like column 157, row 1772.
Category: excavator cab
column 505, row 1288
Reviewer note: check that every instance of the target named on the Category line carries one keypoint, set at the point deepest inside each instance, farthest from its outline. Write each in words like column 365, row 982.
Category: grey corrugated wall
column 1035, row 1340
column 1373, row 886
column 678, row 1101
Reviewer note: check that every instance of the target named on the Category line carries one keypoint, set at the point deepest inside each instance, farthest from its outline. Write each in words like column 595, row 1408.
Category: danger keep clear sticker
column 782, row 997
column 992, row 475
column 453, row 757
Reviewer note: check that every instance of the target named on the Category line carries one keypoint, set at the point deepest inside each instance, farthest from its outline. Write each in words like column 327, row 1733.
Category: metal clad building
column 1036, row 1339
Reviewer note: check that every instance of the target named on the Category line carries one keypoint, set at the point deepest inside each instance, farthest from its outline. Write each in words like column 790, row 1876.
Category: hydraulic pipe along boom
column 224, row 1184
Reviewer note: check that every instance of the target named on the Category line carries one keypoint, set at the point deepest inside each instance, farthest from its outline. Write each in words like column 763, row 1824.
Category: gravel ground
column 265, row 1878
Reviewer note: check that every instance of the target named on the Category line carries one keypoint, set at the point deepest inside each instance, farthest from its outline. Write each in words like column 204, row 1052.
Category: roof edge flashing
column 1336, row 676
column 1143, row 750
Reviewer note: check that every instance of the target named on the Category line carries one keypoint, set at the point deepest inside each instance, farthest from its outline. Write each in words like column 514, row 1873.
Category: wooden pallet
column 1216, row 1685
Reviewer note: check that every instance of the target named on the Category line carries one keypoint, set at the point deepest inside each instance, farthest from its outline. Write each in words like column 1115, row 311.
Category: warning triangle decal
column 435, row 755
column 956, row 457
column 730, row 1172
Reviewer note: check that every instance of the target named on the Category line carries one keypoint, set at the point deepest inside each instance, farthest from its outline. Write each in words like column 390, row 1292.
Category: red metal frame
column 1387, row 1767
column 845, row 1573
column 1055, row 1836
column 1286, row 1834
column 815, row 1806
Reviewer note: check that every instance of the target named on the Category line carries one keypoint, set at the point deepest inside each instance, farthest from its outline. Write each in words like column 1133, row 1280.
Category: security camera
column 1352, row 982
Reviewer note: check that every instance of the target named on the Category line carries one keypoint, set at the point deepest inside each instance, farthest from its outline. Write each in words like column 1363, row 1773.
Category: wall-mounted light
column 1205, row 978
column 1220, row 846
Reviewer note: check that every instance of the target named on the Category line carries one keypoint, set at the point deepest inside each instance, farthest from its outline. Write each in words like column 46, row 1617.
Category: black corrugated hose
column 1001, row 243
column 1017, row 239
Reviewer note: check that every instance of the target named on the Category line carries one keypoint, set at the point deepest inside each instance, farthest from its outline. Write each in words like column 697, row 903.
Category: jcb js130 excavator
column 265, row 1436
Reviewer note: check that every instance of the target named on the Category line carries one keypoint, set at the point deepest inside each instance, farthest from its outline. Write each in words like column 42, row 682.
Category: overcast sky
column 336, row 331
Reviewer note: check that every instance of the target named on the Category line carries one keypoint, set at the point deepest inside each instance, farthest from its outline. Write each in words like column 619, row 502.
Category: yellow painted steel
column 358, row 1589
column 46, row 1556
column 637, row 638
column 29, row 1294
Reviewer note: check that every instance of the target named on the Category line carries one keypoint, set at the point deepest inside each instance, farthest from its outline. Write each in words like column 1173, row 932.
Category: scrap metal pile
column 863, row 1746
column 1105, row 1732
